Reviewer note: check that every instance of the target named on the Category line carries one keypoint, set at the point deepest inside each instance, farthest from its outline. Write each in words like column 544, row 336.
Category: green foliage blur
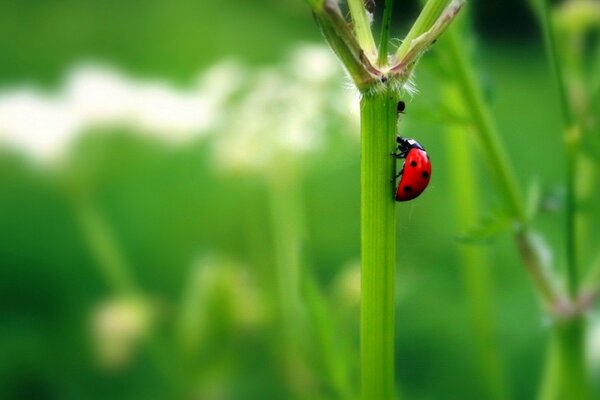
column 136, row 269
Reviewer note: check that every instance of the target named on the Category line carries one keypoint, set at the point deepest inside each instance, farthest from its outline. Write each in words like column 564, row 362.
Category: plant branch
column 532, row 252
column 384, row 39
column 566, row 375
column 406, row 61
column 572, row 137
column 487, row 132
column 474, row 259
column 339, row 36
column 362, row 27
column 429, row 14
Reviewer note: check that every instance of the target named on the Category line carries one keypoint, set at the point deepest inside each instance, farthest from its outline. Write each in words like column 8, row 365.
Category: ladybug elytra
column 416, row 171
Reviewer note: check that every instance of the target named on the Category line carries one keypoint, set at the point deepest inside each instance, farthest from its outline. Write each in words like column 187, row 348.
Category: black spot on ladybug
column 413, row 163
column 407, row 189
column 425, row 174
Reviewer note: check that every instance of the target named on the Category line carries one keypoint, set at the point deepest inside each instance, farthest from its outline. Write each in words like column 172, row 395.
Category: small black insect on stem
column 401, row 107
column 370, row 5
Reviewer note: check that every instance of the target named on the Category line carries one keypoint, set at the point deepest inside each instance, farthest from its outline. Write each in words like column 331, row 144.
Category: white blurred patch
column 256, row 114
column 43, row 125
column 346, row 286
column 35, row 123
column 314, row 63
column 286, row 112
column 593, row 342
column 118, row 327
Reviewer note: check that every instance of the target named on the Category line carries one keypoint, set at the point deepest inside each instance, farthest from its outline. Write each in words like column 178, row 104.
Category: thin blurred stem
column 104, row 247
column 378, row 245
column 475, row 268
column 286, row 224
column 572, row 136
column 590, row 290
column 544, row 13
column 329, row 340
column 531, row 254
column 284, row 207
column 595, row 78
column 384, row 40
column 566, row 374
column 116, row 271
column 486, row 130
column 288, row 227
column 362, row 27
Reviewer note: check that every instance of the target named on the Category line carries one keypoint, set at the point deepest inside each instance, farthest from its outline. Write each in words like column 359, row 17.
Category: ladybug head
column 407, row 143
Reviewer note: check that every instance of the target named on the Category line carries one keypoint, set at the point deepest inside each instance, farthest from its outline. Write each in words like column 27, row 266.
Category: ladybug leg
column 401, row 154
column 397, row 175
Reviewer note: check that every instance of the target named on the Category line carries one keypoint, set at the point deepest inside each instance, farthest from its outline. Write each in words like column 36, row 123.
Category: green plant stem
column 487, row 133
column 500, row 166
column 116, row 271
column 378, row 245
column 475, row 268
column 287, row 228
column 362, row 27
column 331, row 342
column 431, row 11
column 101, row 242
column 285, row 218
column 334, row 27
column 572, row 135
column 566, row 373
column 384, row 39
column 572, row 149
column 544, row 14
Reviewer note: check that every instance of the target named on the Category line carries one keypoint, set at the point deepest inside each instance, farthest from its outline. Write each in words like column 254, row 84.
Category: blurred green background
column 147, row 259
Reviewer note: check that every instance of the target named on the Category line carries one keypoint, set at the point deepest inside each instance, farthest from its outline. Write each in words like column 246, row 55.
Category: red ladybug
column 416, row 171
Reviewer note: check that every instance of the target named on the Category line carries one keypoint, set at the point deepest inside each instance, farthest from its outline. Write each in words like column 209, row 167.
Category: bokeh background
column 179, row 206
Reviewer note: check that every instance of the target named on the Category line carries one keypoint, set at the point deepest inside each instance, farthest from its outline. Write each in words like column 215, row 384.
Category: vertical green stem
column 566, row 374
column 500, row 166
column 284, row 208
column 331, row 343
column 384, row 39
column 116, row 271
column 571, row 146
column 105, row 249
column 362, row 27
column 475, row 267
column 378, row 245
column 487, row 133
column 286, row 220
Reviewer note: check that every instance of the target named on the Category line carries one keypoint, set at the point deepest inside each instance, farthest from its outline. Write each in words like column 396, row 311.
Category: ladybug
column 416, row 171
